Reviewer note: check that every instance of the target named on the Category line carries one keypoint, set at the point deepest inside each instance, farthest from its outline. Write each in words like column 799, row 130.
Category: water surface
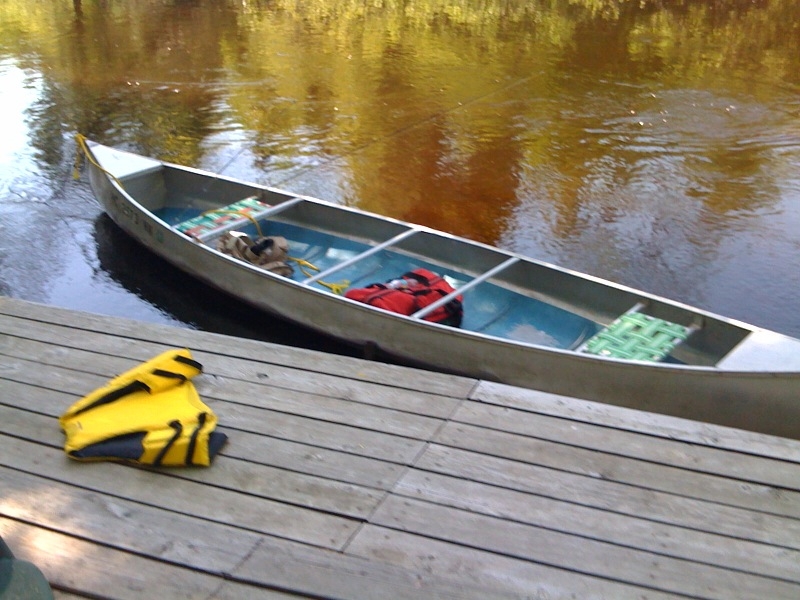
column 656, row 144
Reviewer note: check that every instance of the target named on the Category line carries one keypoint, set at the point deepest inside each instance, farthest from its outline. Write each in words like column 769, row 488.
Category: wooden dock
column 345, row 478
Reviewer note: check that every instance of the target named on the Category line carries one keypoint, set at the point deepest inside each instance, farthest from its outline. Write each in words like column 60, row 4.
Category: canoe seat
column 213, row 222
column 636, row 336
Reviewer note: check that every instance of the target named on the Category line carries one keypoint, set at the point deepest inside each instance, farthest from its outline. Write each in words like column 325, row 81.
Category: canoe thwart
column 420, row 314
column 366, row 254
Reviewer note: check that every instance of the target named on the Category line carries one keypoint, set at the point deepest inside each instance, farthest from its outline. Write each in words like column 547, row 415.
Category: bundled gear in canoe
column 411, row 293
column 269, row 253
column 151, row 414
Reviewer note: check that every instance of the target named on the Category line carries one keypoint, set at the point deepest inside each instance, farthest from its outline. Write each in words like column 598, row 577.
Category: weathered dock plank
column 627, row 419
column 350, row 479
column 237, row 416
column 581, row 555
column 298, row 359
column 97, row 353
column 241, row 476
column 219, row 504
column 597, row 480
column 658, row 464
column 81, row 568
column 479, row 566
column 597, row 524
column 655, row 449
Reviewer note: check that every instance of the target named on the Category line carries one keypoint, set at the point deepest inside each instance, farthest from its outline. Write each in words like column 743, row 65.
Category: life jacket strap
column 178, row 428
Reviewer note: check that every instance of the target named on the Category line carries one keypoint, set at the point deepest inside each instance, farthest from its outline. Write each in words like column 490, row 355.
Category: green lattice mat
column 635, row 336
column 219, row 218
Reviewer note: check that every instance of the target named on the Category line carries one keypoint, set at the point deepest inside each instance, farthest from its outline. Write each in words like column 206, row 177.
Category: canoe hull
column 760, row 401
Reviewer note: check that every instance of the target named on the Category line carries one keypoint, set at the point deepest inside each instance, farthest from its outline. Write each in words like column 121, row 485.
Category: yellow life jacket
column 150, row 414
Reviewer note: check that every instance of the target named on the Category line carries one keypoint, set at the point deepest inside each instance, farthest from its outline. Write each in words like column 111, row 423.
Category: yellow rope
column 336, row 288
column 301, row 262
column 80, row 139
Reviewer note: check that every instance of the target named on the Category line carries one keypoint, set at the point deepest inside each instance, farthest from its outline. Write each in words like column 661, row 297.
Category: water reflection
column 655, row 144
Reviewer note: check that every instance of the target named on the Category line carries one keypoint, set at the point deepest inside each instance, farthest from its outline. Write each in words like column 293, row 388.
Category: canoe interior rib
column 504, row 296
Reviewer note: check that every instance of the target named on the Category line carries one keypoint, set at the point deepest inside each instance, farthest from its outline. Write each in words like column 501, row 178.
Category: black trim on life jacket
column 169, row 375
column 127, row 446
column 188, row 361
column 113, row 395
column 139, row 386
column 201, row 420
column 216, row 440
column 176, row 425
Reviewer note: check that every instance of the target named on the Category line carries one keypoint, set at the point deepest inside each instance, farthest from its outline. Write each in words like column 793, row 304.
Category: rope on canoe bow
column 83, row 151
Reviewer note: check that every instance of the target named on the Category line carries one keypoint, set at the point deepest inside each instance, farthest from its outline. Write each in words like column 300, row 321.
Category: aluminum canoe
column 526, row 323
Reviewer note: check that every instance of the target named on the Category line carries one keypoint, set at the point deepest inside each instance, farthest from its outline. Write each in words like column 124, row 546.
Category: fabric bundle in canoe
column 151, row 414
column 270, row 252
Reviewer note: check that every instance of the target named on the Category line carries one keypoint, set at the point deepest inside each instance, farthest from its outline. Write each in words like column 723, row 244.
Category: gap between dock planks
column 398, row 470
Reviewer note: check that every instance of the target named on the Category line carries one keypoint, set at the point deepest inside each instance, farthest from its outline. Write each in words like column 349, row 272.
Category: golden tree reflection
column 414, row 102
